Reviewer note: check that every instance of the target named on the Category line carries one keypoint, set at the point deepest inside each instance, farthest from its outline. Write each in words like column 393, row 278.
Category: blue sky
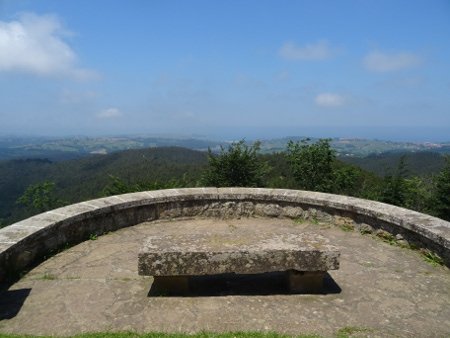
column 226, row 69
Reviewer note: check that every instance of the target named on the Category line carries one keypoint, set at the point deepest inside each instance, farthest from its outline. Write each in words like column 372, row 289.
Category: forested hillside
column 402, row 179
column 422, row 163
column 86, row 178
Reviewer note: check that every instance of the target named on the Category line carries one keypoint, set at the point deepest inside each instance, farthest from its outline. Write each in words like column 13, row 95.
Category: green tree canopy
column 404, row 190
column 441, row 194
column 40, row 197
column 312, row 164
column 394, row 186
column 237, row 166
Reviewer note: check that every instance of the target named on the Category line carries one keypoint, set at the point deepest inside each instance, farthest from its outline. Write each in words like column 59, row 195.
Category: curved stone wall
column 26, row 243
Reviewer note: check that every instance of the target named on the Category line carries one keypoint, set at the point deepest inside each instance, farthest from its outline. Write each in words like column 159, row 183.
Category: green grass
column 347, row 227
column 365, row 231
column 345, row 332
column 386, row 237
column 431, row 257
column 299, row 220
column 348, row 331
column 428, row 255
column 47, row 276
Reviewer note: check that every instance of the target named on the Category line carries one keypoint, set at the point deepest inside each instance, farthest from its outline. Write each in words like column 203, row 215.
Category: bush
column 40, row 197
column 237, row 166
column 312, row 164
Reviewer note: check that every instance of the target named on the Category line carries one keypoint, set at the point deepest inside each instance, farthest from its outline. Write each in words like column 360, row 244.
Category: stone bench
column 172, row 259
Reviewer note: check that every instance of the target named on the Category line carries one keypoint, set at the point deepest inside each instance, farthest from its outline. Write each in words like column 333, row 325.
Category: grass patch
column 348, row 331
column 47, row 276
column 428, row 255
column 93, row 237
column 299, row 220
column 431, row 257
column 345, row 332
column 365, row 231
column 73, row 277
column 386, row 237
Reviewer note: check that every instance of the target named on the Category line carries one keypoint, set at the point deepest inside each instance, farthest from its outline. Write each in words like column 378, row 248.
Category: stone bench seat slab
column 209, row 254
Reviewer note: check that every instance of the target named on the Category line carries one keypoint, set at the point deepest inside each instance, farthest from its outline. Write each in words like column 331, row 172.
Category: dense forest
column 413, row 180
column 422, row 163
column 86, row 178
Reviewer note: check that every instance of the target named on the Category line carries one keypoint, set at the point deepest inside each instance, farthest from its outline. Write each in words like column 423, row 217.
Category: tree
column 312, row 164
column 417, row 194
column 441, row 193
column 40, row 197
column 394, row 186
column 347, row 179
column 238, row 166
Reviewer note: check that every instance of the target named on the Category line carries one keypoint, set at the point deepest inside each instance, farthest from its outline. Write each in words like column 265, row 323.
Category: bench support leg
column 305, row 281
column 170, row 285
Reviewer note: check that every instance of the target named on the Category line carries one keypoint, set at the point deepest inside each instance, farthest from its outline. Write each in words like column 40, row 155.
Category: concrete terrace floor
column 380, row 290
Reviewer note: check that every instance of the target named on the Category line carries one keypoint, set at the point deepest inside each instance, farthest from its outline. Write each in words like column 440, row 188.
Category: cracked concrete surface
column 94, row 286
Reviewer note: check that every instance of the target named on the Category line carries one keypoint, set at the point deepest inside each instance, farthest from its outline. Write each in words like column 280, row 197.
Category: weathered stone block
column 207, row 254
column 292, row 212
column 365, row 228
column 272, row 210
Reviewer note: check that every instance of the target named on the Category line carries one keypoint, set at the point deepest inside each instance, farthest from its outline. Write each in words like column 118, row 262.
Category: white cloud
column 316, row 51
column 34, row 44
column 109, row 113
column 383, row 62
column 329, row 100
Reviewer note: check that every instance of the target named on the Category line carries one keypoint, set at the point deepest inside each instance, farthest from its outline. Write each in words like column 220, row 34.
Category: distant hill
column 58, row 149
column 80, row 179
column 85, row 178
column 353, row 147
column 417, row 163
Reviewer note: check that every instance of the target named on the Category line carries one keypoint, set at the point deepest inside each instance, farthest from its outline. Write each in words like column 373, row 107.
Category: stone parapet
column 28, row 242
